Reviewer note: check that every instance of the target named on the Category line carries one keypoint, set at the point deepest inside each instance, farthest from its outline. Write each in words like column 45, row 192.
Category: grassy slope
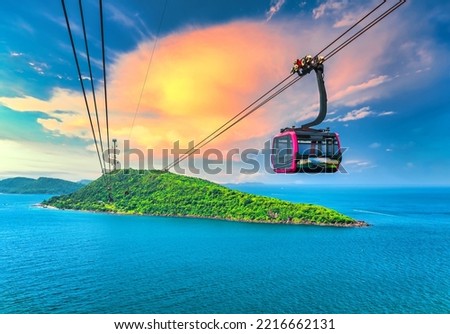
column 167, row 194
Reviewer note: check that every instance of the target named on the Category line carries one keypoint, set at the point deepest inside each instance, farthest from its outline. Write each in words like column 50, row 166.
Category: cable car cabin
column 297, row 150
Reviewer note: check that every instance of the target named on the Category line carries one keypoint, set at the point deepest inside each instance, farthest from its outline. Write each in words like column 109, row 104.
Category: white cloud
column 60, row 21
column 38, row 67
column 353, row 115
column 329, row 5
column 15, row 54
column 134, row 23
column 347, row 20
column 93, row 60
column 118, row 16
column 275, row 6
column 374, row 82
column 419, row 57
column 358, row 114
column 24, row 26
column 386, row 113
column 357, row 165
column 425, row 56
column 420, row 53
column 375, row 145
column 74, row 122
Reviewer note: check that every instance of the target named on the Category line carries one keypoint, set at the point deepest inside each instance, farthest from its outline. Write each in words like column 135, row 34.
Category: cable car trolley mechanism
column 304, row 149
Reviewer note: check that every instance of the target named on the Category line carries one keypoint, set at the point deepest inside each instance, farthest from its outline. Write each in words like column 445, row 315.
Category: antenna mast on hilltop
column 115, row 154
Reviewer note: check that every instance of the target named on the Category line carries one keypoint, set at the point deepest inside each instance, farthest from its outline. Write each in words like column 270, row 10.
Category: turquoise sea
column 55, row 261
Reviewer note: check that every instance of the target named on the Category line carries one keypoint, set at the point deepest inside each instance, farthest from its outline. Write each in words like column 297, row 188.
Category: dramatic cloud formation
column 200, row 77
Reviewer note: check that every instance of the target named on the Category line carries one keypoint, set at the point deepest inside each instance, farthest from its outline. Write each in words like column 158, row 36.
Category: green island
column 42, row 185
column 162, row 193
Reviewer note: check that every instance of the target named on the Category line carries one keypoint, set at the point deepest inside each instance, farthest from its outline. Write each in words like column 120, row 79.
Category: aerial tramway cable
column 102, row 162
column 199, row 144
column 363, row 30
column 102, row 32
column 148, row 68
column 91, row 78
column 262, row 100
column 226, row 126
column 82, row 84
column 96, row 141
column 351, row 27
column 105, row 93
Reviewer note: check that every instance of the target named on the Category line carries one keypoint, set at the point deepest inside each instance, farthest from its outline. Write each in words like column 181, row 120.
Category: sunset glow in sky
column 388, row 92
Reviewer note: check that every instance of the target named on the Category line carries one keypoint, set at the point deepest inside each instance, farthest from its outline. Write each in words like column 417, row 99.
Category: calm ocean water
column 74, row 262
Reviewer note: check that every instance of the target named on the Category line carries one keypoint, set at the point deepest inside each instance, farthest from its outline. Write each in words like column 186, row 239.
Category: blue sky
column 388, row 92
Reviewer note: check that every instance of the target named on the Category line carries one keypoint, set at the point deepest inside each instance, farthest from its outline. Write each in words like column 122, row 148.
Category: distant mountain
column 165, row 194
column 42, row 185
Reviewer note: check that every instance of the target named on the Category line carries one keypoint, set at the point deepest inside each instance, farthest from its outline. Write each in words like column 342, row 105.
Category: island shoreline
column 164, row 194
column 358, row 223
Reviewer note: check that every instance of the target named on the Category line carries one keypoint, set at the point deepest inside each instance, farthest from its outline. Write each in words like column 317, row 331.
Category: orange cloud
column 198, row 79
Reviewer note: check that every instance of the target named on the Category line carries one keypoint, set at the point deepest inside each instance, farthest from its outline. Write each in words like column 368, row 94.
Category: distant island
column 42, row 185
column 161, row 193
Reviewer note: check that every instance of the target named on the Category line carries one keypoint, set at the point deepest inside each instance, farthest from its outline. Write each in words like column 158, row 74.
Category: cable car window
column 335, row 147
column 304, row 147
column 319, row 148
column 283, row 151
column 328, row 149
